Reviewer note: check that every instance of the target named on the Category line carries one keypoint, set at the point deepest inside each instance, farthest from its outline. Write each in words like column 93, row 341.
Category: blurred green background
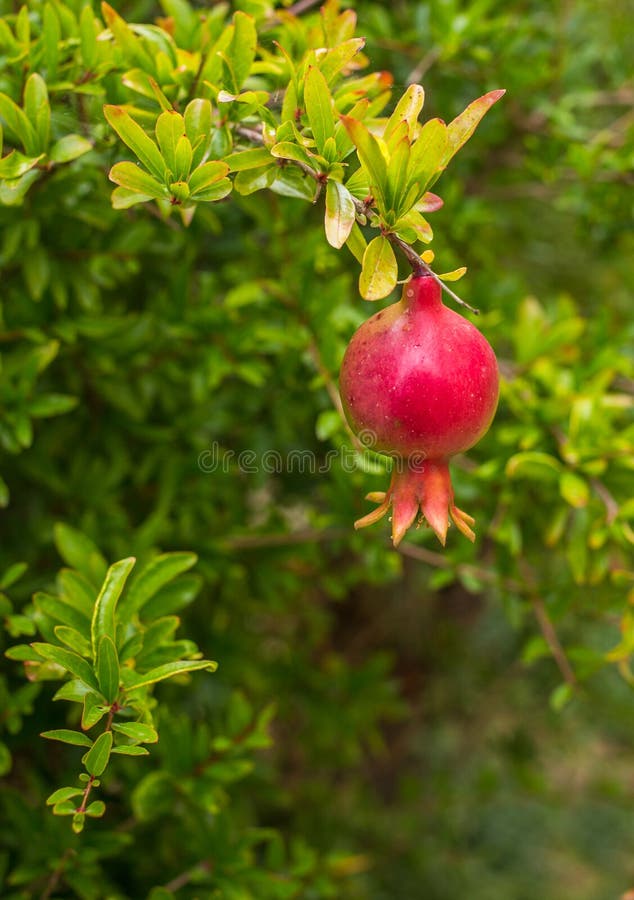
column 425, row 742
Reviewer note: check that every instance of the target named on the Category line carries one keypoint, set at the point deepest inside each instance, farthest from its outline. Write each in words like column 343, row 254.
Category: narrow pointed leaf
column 427, row 154
column 137, row 140
column 61, row 612
column 97, row 757
column 407, row 109
column 397, row 178
column 210, row 173
column 38, row 110
column 66, row 736
column 243, row 45
column 108, row 668
column 371, row 157
column 73, row 640
column 248, row 159
column 103, row 620
column 70, row 661
column 319, row 111
column 130, row 750
column 170, row 128
column 133, row 178
column 380, row 271
column 19, row 124
column 288, row 150
column 169, row 670
column 462, row 127
column 340, row 214
column 137, row 731
column 80, row 552
column 154, row 575
column 356, row 243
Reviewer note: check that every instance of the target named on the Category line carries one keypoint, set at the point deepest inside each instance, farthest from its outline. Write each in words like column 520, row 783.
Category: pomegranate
column 420, row 383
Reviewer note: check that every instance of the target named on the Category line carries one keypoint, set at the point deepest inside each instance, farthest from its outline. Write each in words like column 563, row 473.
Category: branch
column 550, row 636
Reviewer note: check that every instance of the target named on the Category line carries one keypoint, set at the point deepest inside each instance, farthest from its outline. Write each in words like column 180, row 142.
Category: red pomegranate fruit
column 419, row 383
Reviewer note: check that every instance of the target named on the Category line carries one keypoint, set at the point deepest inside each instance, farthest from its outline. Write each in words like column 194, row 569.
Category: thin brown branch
column 56, row 874
column 302, row 6
column 550, row 636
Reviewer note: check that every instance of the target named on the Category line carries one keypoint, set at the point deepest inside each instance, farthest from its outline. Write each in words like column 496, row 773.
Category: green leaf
column 47, row 405
column 12, row 193
column 96, row 809
column 130, row 750
column 5, row 760
column 61, row 612
column 124, row 198
column 133, row 50
column 69, row 147
column 137, row 140
column 574, row 489
column 371, row 157
column 170, row 128
column 173, row 597
column 23, row 653
column 183, row 158
column 288, row 150
column 247, row 182
column 137, row 731
column 133, row 178
column 88, row 37
column 427, row 156
column 248, row 159
column 68, row 660
column 103, row 620
column 78, row 821
column 97, row 757
column 15, row 164
column 357, row 243
column 38, row 110
column 13, row 574
column 241, row 50
column 66, row 736
column 380, row 271
column 64, row 793
column 319, row 108
column 75, row 691
column 340, row 214
column 108, row 668
column 50, row 37
column 533, row 464
column 93, row 710
column 80, row 552
column 210, row 174
column 336, row 58
column 76, row 590
column 169, row 670
column 73, row 639
column 20, row 125
column 198, row 126
column 397, row 179
column 407, row 110
column 460, row 130
column 151, row 578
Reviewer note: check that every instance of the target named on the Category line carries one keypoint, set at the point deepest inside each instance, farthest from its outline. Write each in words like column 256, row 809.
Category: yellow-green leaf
column 340, row 214
column 379, row 273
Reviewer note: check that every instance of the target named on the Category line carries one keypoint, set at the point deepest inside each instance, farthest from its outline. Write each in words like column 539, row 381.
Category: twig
column 302, row 6
column 550, row 636
column 306, row 535
column 56, row 874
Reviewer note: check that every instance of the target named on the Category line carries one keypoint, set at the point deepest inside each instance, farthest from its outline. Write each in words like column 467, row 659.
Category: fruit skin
column 423, row 382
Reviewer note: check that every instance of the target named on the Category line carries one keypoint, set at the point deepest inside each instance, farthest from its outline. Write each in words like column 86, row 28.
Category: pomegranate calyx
column 423, row 490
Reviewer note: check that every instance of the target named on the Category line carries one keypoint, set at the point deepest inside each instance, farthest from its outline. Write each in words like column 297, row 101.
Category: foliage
column 175, row 184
